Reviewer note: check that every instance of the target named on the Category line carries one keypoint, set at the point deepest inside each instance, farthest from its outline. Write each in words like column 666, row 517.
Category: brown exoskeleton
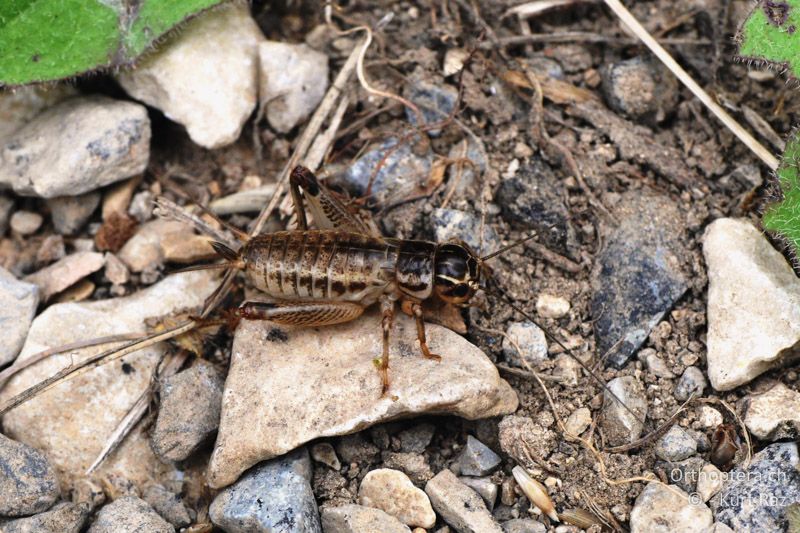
column 331, row 275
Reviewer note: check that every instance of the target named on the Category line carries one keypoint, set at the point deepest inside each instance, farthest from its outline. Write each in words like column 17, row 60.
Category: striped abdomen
column 320, row 265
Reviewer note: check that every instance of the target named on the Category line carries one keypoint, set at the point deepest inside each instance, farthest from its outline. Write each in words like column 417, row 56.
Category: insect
column 331, row 275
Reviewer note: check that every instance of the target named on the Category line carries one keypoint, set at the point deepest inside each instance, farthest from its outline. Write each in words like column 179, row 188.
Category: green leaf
column 44, row 40
column 783, row 217
column 770, row 33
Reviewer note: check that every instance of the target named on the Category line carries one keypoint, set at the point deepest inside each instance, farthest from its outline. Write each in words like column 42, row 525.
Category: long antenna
column 569, row 352
column 507, row 248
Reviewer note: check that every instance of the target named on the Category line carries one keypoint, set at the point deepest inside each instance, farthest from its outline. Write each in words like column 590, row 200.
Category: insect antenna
column 232, row 259
column 507, row 248
column 503, row 294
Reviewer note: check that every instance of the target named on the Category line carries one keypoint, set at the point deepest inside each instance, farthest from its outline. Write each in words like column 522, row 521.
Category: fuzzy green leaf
column 770, row 33
column 44, row 40
column 783, row 216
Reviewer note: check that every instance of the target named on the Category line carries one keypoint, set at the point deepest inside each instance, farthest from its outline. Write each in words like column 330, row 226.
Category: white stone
column 205, row 76
column 753, row 303
column 393, row 492
column 664, row 508
column 18, row 301
column 709, row 482
column 290, row 385
column 76, row 146
column 20, row 105
column 774, row 414
column 293, row 80
column 550, row 306
column 524, row 345
column 709, row 417
column 72, row 422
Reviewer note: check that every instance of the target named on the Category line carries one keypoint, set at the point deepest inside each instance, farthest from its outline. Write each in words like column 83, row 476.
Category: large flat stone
column 287, row 386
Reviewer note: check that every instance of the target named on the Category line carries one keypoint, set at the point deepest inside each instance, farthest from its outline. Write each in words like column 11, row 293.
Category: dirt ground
column 504, row 117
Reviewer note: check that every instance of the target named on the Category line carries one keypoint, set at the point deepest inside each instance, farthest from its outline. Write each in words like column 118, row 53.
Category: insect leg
column 296, row 180
column 387, row 309
column 416, row 308
column 301, row 313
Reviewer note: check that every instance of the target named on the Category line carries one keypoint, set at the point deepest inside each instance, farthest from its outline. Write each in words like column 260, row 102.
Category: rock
column 129, row 513
column 142, row 205
column 662, row 508
column 392, row 492
column 19, row 106
column 205, row 77
column 528, row 338
column 26, row 222
column 6, row 208
column 414, row 465
column 435, row 100
column 116, row 272
column 337, row 360
column 168, row 505
column 64, row 517
column 293, row 80
column 461, row 177
column 518, row 434
column 639, row 89
column 70, row 213
column 549, row 306
column 523, row 525
column 692, row 381
column 709, row 482
column 416, row 438
column 657, row 366
column 401, row 173
column 459, row 505
column 476, row 459
column 534, row 200
column 620, row 425
column 683, row 474
column 774, row 414
column 189, row 412
column 638, row 276
column 65, row 273
column 709, row 417
column 18, row 301
column 484, row 486
column 324, row 453
column 273, row 497
column 72, row 422
column 450, row 224
column 355, row 449
column 186, row 248
column 749, row 285
column 359, row 519
column 676, row 445
column 27, row 480
column 754, row 499
column 578, row 421
column 76, row 146
column 143, row 251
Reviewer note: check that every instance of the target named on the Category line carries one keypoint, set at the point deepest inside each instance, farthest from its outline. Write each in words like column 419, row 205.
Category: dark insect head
column 457, row 274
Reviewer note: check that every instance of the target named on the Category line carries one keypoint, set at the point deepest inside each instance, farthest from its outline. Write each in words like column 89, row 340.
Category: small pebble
column 622, row 426
column 70, row 213
column 129, row 513
column 667, row 508
column 675, row 445
column 392, row 492
column 658, row 367
column 483, row 486
column 64, row 517
column 692, row 381
column 528, row 338
column 435, row 100
column 476, row 459
column 116, row 272
column 709, row 417
column 168, row 504
column 55, row 278
column 26, row 222
column 417, row 438
column 709, row 482
column 27, row 480
column 774, row 414
column 360, row 519
column 460, row 506
column 323, row 452
column 578, row 421
column 550, row 306
column 523, row 525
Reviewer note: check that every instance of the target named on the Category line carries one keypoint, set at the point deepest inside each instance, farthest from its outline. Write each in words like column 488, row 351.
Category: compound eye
column 461, row 291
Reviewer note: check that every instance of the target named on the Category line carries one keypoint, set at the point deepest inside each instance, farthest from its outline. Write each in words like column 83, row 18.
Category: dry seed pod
column 580, row 518
column 536, row 492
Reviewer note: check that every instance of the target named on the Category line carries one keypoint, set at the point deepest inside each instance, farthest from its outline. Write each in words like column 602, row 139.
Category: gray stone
column 620, row 425
column 323, row 452
column 639, row 274
column 774, row 414
column 658, row 367
column 25, row 223
column 676, row 445
column 76, row 146
column 461, row 177
column 18, row 301
column 129, row 513
column 749, row 284
column 692, row 381
column 205, row 76
column 523, row 525
column 639, row 89
column 528, row 338
column 355, row 449
column 189, row 412
column 167, row 504
column 338, row 361
column 293, row 80
column 70, row 213
column 754, row 498
column 476, row 459
column 273, row 497
column 684, row 474
column 483, row 486
column 64, row 517
column 416, row 438
column 534, row 200
column 435, row 100
column 449, row 224
column 460, row 506
column 662, row 508
column 360, row 519
column 27, row 479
